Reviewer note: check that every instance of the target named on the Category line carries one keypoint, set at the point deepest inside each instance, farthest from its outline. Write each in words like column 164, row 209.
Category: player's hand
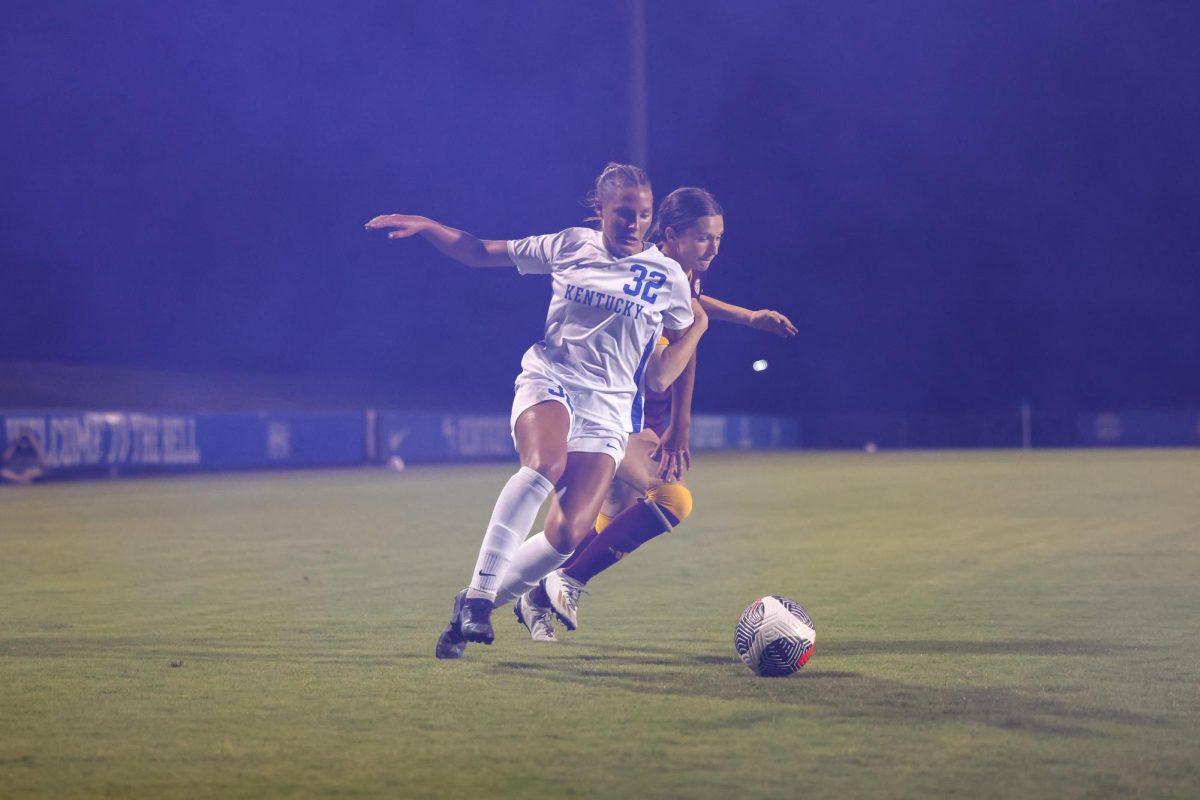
column 672, row 454
column 772, row 322
column 399, row 226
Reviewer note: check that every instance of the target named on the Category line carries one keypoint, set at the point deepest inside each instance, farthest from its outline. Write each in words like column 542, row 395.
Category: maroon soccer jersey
column 657, row 410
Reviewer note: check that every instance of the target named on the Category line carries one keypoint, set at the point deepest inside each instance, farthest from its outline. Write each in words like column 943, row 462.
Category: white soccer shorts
column 585, row 436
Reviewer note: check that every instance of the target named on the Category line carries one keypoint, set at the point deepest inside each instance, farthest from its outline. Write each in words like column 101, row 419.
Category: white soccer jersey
column 606, row 315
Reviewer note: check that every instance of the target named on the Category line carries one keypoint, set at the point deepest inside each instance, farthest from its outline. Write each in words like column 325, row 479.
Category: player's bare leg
column 640, row 514
column 578, row 501
column 585, row 483
column 620, row 497
column 638, row 470
column 541, row 436
column 582, row 489
column 634, row 477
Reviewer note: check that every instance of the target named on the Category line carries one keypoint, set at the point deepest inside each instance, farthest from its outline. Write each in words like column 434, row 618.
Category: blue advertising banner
column 743, row 432
column 53, row 443
column 462, row 437
column 433, row 437
column 1139, row 429
column 116, row 441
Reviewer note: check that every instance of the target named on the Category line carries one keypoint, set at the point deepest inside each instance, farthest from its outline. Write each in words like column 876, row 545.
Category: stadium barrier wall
column 1139, row 429
column 108, row 442
column 432, row 437
column 83, row 443
column 1041, row 429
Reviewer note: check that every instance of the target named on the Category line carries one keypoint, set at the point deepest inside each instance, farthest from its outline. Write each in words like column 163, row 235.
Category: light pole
column 638, row 111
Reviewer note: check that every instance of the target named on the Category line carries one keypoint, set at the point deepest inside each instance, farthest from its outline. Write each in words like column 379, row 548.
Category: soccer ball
column 775, row 636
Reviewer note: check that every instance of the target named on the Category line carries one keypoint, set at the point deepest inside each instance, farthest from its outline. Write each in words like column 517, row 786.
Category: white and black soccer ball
column 775, row 636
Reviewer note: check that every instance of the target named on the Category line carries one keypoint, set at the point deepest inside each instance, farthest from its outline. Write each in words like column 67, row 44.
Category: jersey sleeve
column 679, row 316
column 535, row 255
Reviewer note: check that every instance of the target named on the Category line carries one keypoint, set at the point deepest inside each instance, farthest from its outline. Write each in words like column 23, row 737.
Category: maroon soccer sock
column 537, row 595
column 628, row 531
column 588, row 538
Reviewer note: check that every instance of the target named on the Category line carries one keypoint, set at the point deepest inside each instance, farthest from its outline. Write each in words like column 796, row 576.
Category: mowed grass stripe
column 989, row 624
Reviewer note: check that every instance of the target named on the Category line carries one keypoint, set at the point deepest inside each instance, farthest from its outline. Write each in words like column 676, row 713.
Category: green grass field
column 997, row 624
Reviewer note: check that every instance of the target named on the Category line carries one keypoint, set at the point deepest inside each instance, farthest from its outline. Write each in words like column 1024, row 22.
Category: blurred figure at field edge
column 22, row 461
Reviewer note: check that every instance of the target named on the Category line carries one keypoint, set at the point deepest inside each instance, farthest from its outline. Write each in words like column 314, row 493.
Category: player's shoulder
column 584, row 232
column 555, row 249
column 581, row 235
column 566, row 237
column 577, row 242
column 679, row 281
column 652, row 253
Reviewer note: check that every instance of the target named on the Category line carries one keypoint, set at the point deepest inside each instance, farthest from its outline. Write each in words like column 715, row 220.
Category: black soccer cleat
column 475, row 621
column 451, row 643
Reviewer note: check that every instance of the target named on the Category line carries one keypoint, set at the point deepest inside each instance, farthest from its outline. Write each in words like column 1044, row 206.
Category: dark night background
column 963, row 205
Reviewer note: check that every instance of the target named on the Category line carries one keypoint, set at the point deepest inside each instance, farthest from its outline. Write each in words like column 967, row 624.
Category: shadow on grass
column 1024, row 647
column 196, row 651
column 844, row 694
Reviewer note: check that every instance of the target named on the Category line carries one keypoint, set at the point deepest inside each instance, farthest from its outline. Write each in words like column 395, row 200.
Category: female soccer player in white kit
column 579, row 394
column 649, row 496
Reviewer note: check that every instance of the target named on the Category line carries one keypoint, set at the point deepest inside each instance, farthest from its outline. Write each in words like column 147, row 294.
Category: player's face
column 625, row 216
column 697, row 245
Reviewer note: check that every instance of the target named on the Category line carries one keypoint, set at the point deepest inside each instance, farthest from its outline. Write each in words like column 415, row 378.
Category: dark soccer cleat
column 451, row 643
column 475, row 620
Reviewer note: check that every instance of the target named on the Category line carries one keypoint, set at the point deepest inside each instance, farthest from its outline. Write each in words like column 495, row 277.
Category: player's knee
column 568, row 532
column 674, row 499
column 549, row 465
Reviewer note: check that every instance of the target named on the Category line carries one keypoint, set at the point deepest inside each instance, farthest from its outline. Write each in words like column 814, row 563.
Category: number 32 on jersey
column 644, row 283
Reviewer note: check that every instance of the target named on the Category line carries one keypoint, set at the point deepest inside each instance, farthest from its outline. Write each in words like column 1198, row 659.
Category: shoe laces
column 573, row 590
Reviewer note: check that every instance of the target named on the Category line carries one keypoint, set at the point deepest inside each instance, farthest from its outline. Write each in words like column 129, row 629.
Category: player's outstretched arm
column 763, row 319
column 667, row 363
column 673, row 452
column 459, row 245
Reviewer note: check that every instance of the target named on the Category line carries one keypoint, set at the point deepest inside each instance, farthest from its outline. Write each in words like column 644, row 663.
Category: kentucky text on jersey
column 589, row 297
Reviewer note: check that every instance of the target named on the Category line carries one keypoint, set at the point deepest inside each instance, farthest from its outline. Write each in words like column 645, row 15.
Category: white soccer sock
column 536, row 559
column 512, row 517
